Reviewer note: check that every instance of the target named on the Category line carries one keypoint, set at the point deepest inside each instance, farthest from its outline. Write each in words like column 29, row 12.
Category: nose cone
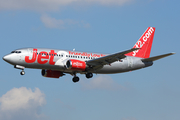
column 7, row 58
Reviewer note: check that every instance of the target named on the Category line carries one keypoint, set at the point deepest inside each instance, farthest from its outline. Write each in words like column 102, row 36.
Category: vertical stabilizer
column 144, row 43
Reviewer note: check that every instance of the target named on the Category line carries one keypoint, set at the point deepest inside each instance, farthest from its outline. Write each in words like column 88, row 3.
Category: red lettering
column 33, row 59
column 71, row 53
column 102, row 55
column 85, row 54
column 52, row 53
column 42, row 55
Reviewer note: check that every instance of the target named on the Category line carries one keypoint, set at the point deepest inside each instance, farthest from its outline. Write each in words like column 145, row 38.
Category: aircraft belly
column 44, row 66
column 116, row 67
column 126, row 65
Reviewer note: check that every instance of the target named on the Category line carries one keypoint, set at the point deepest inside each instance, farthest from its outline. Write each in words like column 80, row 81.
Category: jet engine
column 51, row 73
column 73, row 64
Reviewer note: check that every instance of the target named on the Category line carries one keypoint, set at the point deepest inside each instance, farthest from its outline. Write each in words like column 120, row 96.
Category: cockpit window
column 16, row 52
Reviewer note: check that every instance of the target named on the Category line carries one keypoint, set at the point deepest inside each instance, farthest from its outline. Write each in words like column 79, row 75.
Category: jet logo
column 42, row 58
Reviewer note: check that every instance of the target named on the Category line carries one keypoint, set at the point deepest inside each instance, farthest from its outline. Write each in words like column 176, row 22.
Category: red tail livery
column 144, row 43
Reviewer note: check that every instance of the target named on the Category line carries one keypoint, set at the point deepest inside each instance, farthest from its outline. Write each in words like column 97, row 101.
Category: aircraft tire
column 75, row 79
column 89, row 75
column 22, row 73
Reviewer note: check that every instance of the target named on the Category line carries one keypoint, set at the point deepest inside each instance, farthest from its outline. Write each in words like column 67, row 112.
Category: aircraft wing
column 156, row 57
column 109, row 58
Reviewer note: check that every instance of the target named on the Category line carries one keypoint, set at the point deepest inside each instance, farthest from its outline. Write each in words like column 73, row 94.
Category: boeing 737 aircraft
column 55, row 63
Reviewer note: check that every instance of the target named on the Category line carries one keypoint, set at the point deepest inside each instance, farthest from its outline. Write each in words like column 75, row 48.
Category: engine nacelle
column 73, row 64
column 51, row 73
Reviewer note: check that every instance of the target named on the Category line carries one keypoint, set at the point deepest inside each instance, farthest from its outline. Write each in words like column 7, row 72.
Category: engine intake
column 51, row 73
column 73, row 64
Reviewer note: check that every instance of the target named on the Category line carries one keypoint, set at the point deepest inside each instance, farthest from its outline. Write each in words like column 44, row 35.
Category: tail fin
column 144, row 43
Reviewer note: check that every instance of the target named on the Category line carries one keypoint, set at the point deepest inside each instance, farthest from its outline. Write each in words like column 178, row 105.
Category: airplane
column 55, row 63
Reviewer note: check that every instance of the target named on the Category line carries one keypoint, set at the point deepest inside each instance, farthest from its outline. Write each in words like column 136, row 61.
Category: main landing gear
column 89, row 75
column 76, row 78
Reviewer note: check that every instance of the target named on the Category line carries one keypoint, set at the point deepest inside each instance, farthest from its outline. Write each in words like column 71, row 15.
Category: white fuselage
column 53, row 59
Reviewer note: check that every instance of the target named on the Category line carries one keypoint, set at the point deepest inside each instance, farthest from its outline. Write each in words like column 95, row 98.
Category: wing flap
column 156, row 57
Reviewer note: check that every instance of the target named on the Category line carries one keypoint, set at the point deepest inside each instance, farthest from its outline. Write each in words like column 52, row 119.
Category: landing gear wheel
column 22, row 72
column 75, row 79
column 89, row 75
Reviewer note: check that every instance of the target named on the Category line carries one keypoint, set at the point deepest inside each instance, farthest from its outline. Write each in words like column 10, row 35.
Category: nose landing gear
column 21, row 68
column 22, row 72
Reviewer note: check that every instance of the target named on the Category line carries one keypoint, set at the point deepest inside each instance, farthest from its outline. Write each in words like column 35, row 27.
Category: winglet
column 156, row 57
column 144, row 43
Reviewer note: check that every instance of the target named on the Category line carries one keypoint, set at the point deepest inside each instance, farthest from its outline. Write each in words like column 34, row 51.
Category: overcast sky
column 103, row 26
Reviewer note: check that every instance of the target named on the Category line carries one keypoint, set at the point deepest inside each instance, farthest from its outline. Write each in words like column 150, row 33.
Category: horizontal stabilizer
column 156, row 57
